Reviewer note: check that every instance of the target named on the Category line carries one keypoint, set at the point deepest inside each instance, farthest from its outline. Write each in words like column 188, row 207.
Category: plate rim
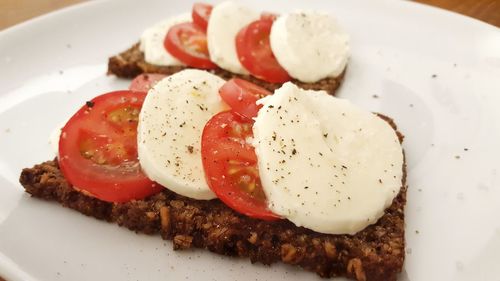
column 87, row 3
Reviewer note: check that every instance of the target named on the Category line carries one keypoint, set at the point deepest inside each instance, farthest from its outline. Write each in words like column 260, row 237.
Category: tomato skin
column 242, row 96
column 227, row 159
column 145, row 81
column 200, row 14
column 188, row 43
column 254, row 52
column 98, row 149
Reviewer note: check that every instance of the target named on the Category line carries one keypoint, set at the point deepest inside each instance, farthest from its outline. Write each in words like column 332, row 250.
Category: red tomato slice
column 230, row 165
column 188, row 43
column 242, row 96
column 255, row 54
column 145, row 81
column 98, row 149
column 201, row 14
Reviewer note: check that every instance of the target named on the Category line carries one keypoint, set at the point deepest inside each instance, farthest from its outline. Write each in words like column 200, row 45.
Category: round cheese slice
column 226, row 20
column 171, row 122
column 310, row 46
column 325, row 163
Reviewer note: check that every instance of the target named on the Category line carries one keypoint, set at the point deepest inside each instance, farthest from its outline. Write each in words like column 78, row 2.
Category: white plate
column 436, row 73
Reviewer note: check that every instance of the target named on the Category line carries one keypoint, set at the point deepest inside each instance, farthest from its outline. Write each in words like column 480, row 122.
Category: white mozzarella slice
column 324, row 163
column 152, row 41
column 309, row 45
column 226, row 20
column 171, row 122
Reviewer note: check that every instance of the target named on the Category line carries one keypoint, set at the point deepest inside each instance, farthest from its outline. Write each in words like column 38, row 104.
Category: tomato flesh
column 254, row 52
column 188, row 43
column 230, row 165
column 242, row 96
column 98, row 149
column 200, row 14
column 145, row 81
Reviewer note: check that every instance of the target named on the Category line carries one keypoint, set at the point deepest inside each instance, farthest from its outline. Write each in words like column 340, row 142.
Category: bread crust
column 374, row 254
column 131, row 63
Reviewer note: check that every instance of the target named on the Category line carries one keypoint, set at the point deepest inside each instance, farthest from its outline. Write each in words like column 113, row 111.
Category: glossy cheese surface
column 324, row 163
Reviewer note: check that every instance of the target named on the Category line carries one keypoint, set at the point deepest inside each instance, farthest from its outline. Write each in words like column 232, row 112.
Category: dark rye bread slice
column 131, row 63
column 374, row 254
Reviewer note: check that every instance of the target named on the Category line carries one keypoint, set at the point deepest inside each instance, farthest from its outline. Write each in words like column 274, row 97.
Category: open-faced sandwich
column 296, row 176
column 233, row 41
column 266, row 165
